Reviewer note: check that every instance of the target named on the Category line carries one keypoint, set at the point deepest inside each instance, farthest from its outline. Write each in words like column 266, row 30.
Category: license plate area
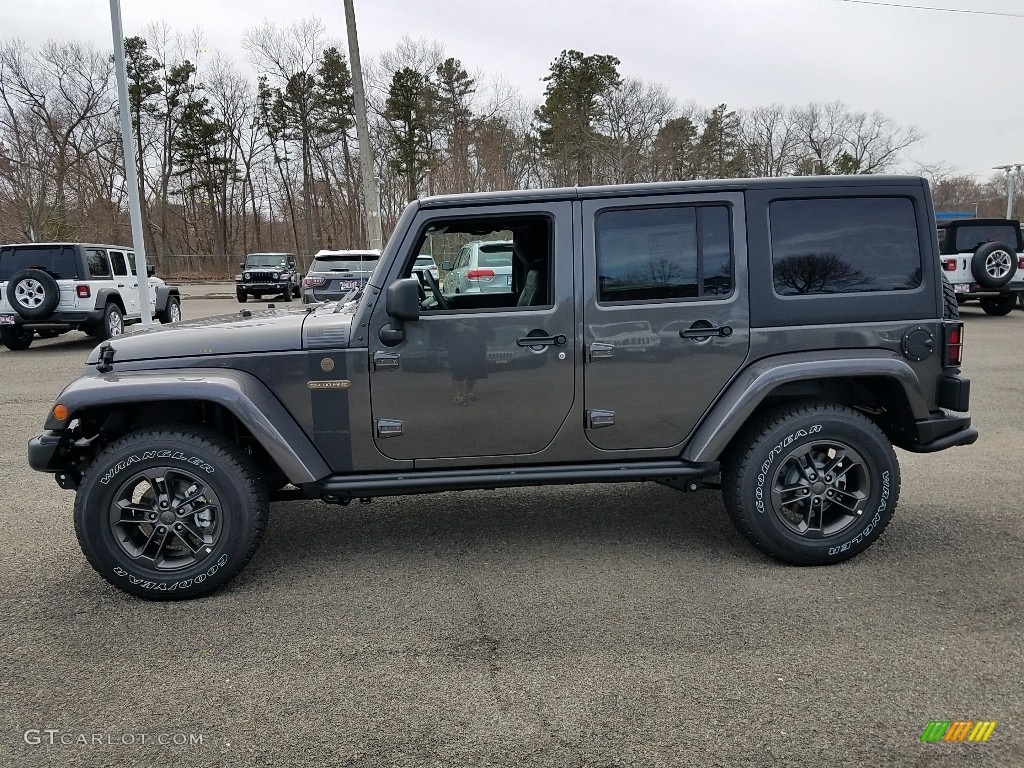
column 6, row 319
column 961, row 288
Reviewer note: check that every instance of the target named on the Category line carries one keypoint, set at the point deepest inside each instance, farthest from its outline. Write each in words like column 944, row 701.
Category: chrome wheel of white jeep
column 997, row 265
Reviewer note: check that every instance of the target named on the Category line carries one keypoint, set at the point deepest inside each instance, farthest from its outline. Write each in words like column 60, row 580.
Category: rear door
column 665, row 321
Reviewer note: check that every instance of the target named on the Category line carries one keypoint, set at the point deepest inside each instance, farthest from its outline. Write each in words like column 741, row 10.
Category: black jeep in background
column 268, row 274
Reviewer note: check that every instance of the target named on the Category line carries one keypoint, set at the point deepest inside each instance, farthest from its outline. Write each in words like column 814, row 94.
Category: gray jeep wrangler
column 773, row 338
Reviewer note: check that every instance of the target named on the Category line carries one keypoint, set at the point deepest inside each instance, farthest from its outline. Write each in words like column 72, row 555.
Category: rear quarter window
column 60, row 261
column 844, row 245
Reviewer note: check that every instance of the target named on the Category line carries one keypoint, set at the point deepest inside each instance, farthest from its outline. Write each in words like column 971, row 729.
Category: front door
column 480, row 373
column 665, row 324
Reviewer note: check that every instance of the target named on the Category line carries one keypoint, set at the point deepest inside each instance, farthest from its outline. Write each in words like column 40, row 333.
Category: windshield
column 265, row 260
column 345, row 263
column 60, row 261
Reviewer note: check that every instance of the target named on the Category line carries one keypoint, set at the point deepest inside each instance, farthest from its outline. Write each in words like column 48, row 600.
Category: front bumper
column 254, row 287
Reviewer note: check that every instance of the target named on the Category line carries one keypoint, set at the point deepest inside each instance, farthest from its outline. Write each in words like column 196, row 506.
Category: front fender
column 757, row 382
column 240, row 393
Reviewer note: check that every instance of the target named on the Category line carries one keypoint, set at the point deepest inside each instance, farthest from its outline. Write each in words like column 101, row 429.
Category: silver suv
column 481, row 267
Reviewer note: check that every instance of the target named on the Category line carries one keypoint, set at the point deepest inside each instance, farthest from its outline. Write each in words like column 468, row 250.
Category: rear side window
column 845, row 245
column 664, row 253
column 60, row 261
column 99, row 266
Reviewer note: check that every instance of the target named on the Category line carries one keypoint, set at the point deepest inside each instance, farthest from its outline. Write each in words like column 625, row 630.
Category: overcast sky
column 953, row 75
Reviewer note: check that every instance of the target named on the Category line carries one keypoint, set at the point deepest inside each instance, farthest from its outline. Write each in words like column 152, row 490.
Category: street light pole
column 130, row 173
column 1012, row 174
column 371, row 196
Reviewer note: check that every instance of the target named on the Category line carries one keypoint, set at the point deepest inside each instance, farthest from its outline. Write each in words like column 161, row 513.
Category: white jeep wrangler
column 51, row 288
column 984, row 259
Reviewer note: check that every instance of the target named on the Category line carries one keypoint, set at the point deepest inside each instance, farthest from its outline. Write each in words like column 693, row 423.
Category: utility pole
column 371, row 198
column 130, row 174
column 1012, row 174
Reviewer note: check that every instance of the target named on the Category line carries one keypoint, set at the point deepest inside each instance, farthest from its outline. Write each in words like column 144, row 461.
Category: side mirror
column 446, row 266
column 150, row 270
column 403, row 305
column 241, row 265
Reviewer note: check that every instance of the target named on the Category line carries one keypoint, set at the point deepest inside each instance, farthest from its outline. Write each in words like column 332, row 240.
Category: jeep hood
column 275, row 330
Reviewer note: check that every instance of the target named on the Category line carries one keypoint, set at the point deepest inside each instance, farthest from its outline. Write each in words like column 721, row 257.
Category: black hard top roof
column 665, row 187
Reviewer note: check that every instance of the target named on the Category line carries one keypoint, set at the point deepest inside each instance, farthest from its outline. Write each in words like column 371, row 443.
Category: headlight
column 275, row 276
column 248, row 276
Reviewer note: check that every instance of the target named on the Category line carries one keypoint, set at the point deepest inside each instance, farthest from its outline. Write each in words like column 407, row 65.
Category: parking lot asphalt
column 620, row 625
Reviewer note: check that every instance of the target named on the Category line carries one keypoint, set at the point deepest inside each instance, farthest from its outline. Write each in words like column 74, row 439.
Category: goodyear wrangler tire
column 812, row 483
column 169, row 514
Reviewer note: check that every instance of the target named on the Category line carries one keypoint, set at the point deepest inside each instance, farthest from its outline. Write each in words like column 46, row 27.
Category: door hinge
column 389, row 427
column 597, row 419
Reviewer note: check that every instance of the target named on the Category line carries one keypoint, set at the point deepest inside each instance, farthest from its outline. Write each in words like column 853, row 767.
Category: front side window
column 485, row 263
column 99, row 266
column 664, row 253
column 844, row 245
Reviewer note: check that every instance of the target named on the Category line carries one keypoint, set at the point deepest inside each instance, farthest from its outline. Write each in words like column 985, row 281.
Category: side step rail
column 340, row 488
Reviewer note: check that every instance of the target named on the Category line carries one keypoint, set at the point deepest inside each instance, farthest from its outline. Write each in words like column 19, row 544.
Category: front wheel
column 811, row 484
column 172, row 314
column 998, row 305
column 242, row 296
column 168, row 514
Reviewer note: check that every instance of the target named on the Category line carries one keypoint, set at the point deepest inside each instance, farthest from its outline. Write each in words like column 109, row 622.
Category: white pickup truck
column 984, row 259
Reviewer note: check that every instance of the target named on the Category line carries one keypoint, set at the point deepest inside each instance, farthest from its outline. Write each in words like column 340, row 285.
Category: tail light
column 949, row 265
column 480, row 274
column 313, row 282
column 1020, row 262
column 954, row 344
column 83, row 291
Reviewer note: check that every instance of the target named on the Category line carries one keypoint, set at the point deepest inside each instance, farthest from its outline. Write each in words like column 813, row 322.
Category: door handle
column 703, row 333
column 541, row 341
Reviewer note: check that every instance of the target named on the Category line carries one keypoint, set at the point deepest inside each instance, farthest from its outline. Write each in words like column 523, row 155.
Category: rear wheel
column 168, row 514
column 998, row 305
column 16, row 339
column 812, row 483
column 112, row 324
